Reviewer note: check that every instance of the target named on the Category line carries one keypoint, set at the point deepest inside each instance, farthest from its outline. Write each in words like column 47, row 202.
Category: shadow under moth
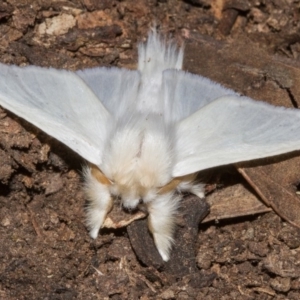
column 146, row 133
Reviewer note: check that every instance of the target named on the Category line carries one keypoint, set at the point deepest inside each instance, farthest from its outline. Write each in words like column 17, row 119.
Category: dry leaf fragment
column 276, row 184
column 233, row 201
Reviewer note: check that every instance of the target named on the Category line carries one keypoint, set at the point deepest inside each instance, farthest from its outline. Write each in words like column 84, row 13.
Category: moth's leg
column 161, row 221
column 192, row 187
column 100, row 202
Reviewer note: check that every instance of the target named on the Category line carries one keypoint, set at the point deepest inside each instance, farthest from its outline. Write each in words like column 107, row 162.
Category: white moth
column 146, row 133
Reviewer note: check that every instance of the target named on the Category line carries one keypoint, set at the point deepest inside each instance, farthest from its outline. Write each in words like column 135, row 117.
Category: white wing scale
column 184, row 93
column 233, row 129
column 116, row 88
column 59, row 103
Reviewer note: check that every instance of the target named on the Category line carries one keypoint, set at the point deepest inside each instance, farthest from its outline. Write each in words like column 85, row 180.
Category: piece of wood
column 183, row 259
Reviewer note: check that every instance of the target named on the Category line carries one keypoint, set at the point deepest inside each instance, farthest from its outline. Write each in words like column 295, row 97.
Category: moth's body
column 139, row 154
column 138, row 161
column 146, row 133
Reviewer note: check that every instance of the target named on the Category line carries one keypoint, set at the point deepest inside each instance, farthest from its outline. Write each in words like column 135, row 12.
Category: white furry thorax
column 138, row 159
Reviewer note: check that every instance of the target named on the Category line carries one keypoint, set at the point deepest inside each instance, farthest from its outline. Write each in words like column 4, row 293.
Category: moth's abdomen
column 157, row 55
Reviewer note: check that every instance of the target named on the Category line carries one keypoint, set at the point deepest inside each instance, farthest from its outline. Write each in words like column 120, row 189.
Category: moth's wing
column 117, row 88
column 59, row 103
column 185, row 93
column 233, row 129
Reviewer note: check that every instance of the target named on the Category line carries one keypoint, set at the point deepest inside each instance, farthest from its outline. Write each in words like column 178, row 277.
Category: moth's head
column 138, row 161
